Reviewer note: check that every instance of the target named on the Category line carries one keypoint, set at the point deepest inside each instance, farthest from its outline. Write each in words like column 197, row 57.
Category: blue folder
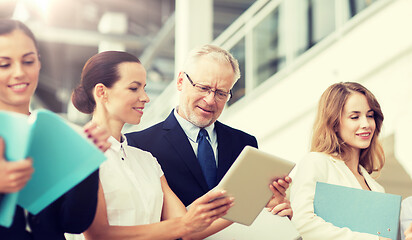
column 359, row 210
column 61, row 159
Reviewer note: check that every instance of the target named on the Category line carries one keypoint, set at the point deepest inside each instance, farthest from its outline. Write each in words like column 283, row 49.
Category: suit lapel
column 224, row 150
column 178, row 139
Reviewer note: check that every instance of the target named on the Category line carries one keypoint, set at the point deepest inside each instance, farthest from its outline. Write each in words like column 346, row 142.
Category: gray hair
column 217, row 53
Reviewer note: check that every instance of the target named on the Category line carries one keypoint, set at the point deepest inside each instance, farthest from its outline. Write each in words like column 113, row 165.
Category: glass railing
column 271, row 35
column 273, row 38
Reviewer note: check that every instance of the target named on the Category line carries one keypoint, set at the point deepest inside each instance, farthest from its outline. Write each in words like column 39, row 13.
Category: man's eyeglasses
column 220, row 95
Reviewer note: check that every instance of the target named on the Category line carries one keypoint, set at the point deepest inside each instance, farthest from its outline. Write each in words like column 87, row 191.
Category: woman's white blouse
column 130, row 178
column 320, row 167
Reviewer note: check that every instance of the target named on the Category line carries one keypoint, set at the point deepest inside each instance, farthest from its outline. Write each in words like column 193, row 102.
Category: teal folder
column 359, row 210
column 61, row 159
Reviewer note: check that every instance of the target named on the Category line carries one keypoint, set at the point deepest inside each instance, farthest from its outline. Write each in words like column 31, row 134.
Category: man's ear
column 100, row 92
column 179, row 81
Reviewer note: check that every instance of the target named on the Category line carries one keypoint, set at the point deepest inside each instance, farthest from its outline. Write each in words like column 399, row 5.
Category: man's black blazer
column 170, row 145
column 73, row 213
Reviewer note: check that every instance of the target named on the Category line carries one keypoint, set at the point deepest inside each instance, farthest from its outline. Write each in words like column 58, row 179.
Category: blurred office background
column 289, row 52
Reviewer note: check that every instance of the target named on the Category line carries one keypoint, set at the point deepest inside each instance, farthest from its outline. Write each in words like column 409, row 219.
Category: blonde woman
column 345, row 150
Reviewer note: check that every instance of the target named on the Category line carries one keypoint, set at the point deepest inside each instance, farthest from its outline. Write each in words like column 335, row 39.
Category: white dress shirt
column 131, row 184
column 130, row 178
column 192, row 132
column 320, row 167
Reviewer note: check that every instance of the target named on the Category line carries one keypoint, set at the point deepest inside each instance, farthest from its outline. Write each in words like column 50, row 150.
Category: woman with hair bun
column 345, row 150
column 135, row 200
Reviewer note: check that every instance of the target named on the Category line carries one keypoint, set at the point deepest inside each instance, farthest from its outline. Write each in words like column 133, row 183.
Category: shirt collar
column 116, row 145
column 192, row 130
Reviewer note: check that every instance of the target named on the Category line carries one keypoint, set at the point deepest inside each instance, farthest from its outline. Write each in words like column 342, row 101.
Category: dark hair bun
column 81, row 101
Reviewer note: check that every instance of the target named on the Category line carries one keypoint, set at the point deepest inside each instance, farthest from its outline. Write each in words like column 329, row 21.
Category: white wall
column 376, row 53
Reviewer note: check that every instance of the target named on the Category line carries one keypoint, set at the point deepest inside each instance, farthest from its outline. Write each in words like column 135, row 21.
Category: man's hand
column 279, row 204
column 13, row 175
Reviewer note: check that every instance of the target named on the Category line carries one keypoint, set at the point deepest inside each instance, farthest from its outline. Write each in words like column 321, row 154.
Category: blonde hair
column 325, row 137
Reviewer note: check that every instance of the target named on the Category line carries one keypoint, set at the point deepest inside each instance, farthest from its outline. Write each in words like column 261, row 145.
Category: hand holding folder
column 359, row 210
column 13, row 175
column 61, row 158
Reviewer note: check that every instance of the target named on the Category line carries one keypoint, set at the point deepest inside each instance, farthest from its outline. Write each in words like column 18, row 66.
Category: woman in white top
column 135, row 201
column 344, row 151
column 406, row 218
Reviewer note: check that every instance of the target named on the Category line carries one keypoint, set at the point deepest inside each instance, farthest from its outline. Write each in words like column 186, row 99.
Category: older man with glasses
column 193, row 148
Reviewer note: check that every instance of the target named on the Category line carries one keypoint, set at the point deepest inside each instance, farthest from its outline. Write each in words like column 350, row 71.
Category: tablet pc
column 248, row 181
